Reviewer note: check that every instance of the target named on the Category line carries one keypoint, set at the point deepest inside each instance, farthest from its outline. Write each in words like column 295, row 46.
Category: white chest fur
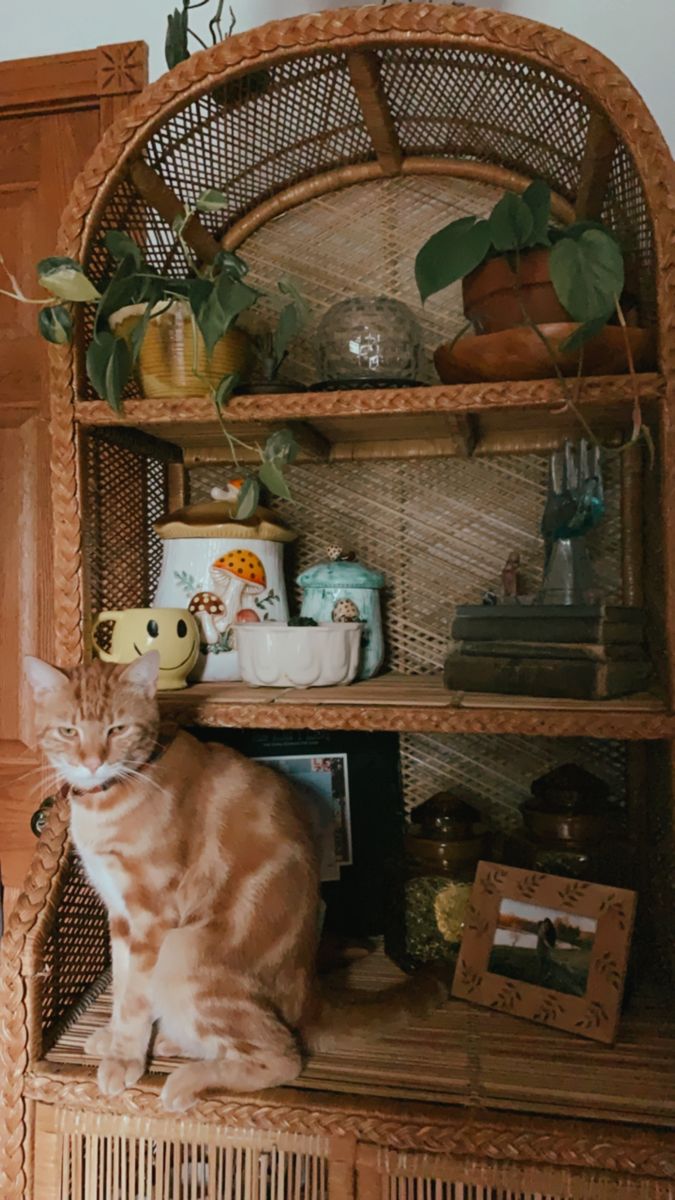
column 103, row 868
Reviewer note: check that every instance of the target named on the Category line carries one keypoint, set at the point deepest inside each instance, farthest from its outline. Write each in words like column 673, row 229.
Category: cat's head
column 95, row 722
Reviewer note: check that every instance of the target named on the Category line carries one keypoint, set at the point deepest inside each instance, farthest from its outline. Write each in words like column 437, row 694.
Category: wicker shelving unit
column 370, row 122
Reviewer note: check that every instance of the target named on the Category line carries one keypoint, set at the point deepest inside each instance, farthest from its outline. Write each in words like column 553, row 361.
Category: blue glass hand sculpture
column 574, row 505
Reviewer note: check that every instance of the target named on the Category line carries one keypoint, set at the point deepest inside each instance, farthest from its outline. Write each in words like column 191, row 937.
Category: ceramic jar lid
column 215, row 518
column 340, row 570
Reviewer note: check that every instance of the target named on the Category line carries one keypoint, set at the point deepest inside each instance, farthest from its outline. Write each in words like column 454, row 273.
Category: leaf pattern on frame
column 475, row 921
column 594, row 1016
column 528, row 887
column 572, row 893
column 492, row 882
column 506, row 998
column 611, row 905
column 550, row 1009
column 471, row 980
column 607, row 966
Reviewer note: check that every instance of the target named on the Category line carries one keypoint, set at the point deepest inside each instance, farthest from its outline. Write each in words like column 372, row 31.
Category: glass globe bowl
column 366, row 341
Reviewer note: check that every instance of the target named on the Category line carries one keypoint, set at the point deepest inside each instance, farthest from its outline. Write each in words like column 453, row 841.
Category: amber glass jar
column 430, row 888
column 574, row 828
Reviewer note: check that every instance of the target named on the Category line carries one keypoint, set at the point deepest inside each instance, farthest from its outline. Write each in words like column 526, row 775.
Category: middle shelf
column 416, row 704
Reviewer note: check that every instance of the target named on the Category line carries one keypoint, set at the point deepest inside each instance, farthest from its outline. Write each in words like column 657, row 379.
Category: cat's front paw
column 99, row 1043
column 116, row 1074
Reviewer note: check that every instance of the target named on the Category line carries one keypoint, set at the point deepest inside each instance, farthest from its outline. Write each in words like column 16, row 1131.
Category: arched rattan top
column 500, row 37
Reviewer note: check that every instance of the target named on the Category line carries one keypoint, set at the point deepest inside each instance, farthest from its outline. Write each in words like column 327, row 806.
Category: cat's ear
column 44, row 679
column 143, row 673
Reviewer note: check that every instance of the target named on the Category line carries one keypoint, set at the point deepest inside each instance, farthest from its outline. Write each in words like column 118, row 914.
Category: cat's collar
column 104, row 787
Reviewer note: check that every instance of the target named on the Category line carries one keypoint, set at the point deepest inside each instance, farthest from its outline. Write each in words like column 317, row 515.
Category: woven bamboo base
column 470, row 1055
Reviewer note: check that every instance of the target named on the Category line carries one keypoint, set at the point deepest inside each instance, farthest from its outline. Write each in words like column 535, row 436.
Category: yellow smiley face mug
column 120, row 637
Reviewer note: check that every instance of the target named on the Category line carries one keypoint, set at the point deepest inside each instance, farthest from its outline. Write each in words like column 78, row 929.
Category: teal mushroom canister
column 342, row 589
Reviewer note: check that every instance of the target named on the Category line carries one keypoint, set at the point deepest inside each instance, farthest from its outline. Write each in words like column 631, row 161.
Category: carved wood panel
column 52, row 113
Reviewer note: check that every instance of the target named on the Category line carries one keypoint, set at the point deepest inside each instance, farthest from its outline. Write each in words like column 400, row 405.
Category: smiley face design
column 122, row 636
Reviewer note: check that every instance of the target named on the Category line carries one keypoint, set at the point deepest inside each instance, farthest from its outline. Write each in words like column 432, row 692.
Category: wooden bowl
column 520, row 354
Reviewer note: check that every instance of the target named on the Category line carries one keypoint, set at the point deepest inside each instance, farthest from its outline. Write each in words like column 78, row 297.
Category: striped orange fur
column 207, row 865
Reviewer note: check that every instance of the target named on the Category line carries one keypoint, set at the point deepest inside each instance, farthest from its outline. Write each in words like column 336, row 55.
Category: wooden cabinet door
column 52, row 113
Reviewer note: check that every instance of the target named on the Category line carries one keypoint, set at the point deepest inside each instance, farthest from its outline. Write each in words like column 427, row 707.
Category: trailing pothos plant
column 214, row 296
column 586, row 268
column 585, row 263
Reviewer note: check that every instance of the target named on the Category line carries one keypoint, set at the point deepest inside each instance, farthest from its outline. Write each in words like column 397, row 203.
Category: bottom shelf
column 467, row 1055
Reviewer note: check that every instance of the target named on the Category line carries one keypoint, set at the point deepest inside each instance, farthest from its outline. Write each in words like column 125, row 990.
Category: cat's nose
column 92, row 762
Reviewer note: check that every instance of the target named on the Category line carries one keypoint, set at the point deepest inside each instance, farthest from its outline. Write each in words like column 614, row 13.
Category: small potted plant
column 561, row 286
column 179, row 332
column 269, row 345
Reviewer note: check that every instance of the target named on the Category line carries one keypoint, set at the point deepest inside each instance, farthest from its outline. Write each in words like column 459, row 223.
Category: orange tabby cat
column 207, row 866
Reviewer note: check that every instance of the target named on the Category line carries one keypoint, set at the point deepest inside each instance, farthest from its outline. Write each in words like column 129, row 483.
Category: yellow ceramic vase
column 166, row 359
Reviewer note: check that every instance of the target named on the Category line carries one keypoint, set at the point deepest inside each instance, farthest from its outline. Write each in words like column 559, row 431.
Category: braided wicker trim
column 66, row 514
column 590, row 723
column 490, row 1136
column 470, row 397
column 31, row 912
column 605, row 87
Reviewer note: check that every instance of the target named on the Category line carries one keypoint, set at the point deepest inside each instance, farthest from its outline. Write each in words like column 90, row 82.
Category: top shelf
column 453, row 420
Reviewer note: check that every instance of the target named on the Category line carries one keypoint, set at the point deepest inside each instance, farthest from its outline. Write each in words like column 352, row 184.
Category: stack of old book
column 586, row 652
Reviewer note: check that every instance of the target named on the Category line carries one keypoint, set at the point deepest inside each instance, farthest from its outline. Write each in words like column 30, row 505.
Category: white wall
column 639, row 35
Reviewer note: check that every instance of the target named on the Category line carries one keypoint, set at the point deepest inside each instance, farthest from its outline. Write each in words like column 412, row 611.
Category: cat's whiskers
column 127, row 772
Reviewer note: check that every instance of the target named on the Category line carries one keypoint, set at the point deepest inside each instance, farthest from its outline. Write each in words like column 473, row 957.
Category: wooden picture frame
column 508, row 958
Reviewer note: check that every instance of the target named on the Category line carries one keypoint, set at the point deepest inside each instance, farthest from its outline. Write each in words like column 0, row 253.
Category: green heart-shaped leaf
column 287, row 327
column 247, row 500
column 109, row 366
column 587, row 274
column 281, row 446
column 511, row 223
column 537, row 197
column 225, row 389
column 64, row 277
column 271, row 475
column 121, row 246
column 55, row 324
column 451, row 254
column 211, row 201
column 232, row 264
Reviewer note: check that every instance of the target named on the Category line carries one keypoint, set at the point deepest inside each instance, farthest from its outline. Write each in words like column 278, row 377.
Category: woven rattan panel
column 439, row 529
column 125, row 493
column 124, row 1158
column 76, row 950
column 387, row 222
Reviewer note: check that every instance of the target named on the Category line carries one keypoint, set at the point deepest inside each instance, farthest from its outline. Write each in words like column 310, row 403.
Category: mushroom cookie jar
column 226, row 571
column 342, row 589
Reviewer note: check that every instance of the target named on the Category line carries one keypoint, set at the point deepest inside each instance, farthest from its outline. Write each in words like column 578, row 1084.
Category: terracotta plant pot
column 166, row 357
column 492, row 303
column 520, row 354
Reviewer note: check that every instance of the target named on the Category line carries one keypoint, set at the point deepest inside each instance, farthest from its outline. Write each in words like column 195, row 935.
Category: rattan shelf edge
column 598, row 392
column 382, row 1121
column 417, row 704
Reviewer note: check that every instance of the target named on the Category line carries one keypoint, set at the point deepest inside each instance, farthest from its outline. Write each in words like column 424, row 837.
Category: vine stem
column 18, row 293
column 570, row 401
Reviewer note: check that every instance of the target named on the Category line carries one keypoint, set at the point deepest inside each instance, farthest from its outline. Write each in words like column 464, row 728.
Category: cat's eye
column 117, row 729
column 181, row 629
column 67, row 731
column 153, row 629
